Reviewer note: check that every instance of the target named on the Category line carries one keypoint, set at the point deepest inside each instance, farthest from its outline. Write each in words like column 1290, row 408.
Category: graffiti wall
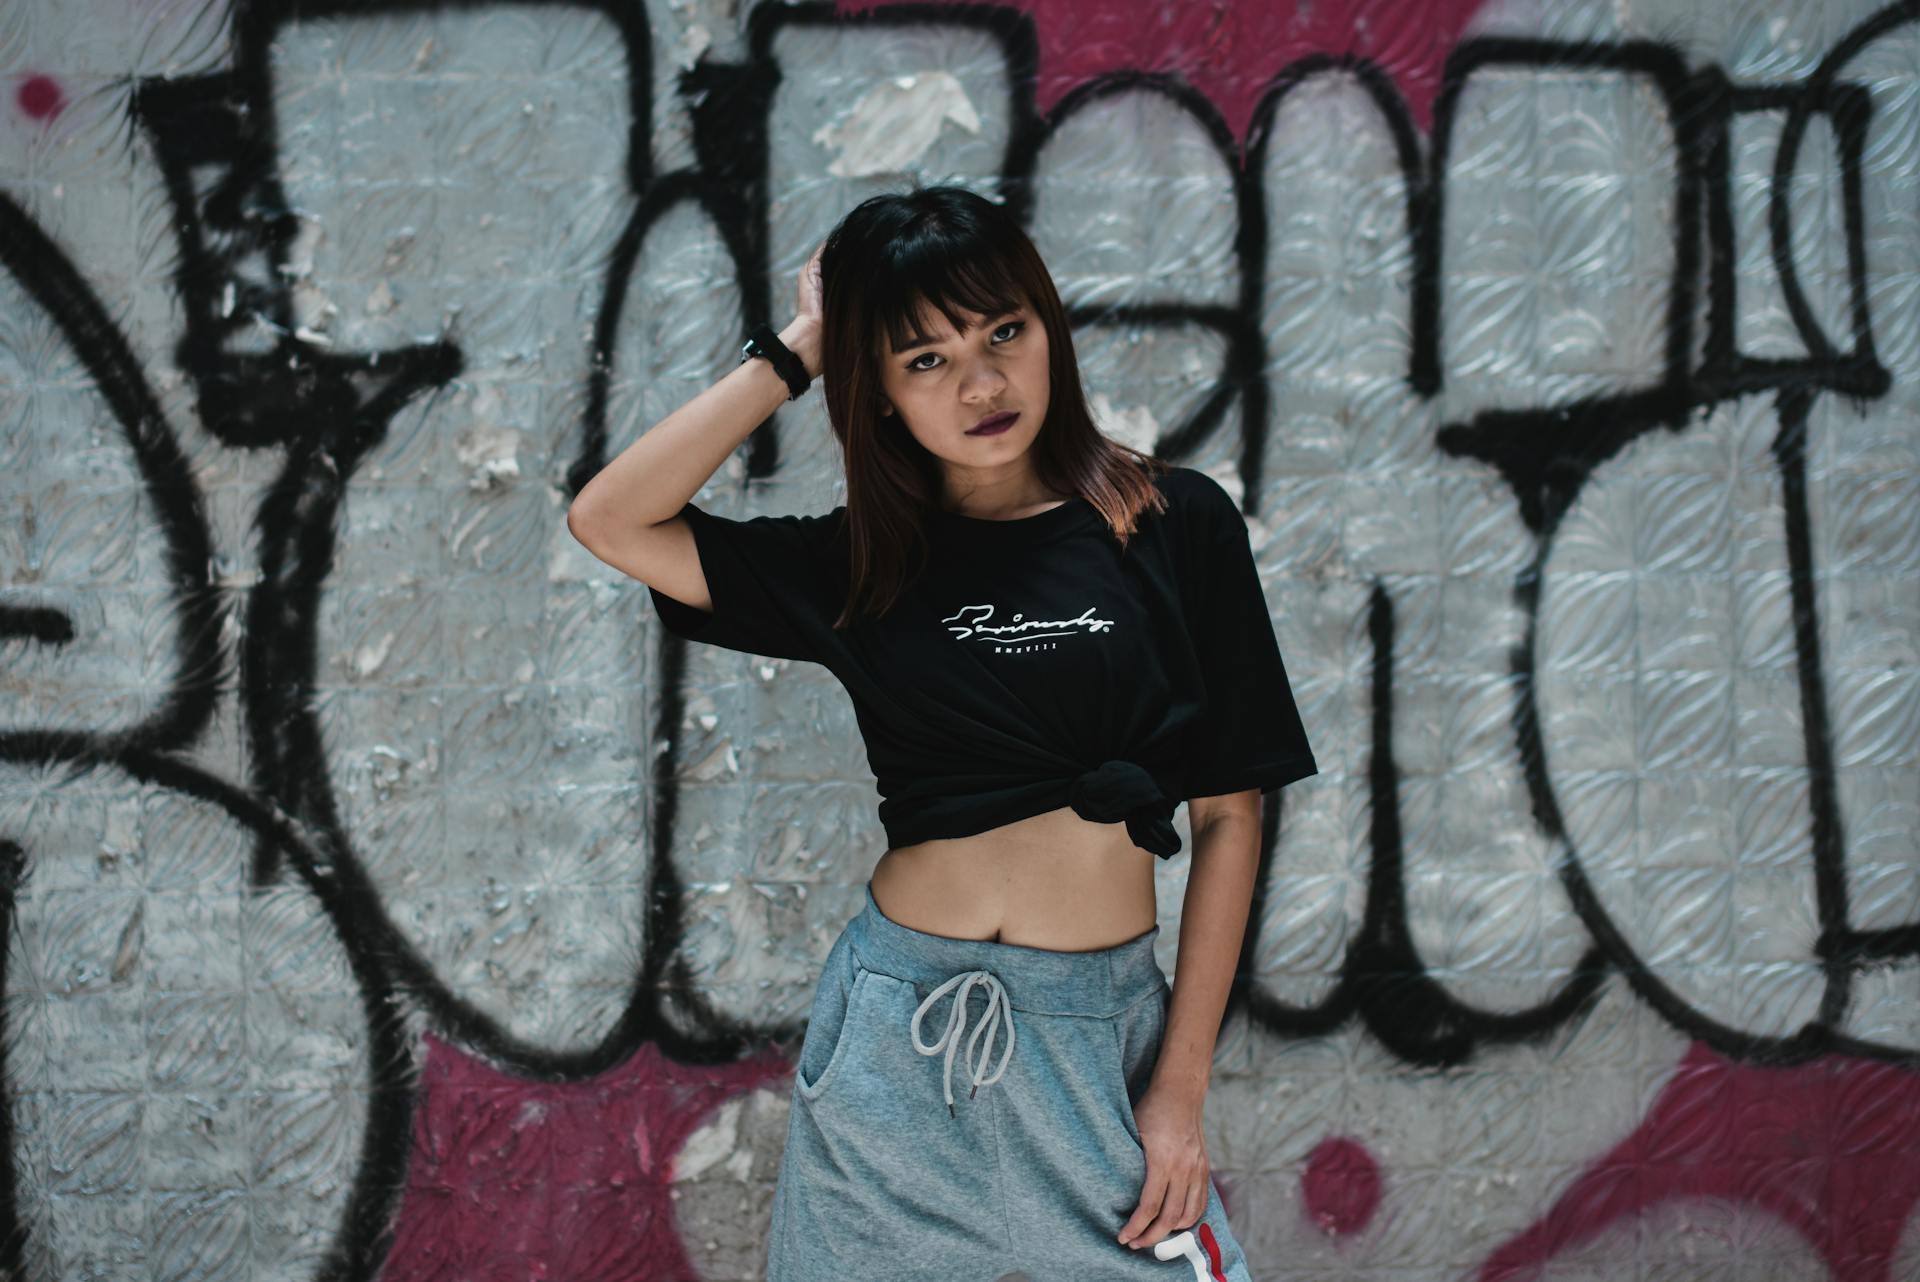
column 389, row 896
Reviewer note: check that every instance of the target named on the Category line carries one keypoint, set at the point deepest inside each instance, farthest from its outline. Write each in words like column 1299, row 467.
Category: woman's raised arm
column 621, row 513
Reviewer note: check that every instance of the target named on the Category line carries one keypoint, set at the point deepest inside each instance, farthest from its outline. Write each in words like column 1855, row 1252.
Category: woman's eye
column 915, row 367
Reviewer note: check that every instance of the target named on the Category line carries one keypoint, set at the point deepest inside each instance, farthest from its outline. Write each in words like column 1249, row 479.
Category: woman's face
column 942, row 388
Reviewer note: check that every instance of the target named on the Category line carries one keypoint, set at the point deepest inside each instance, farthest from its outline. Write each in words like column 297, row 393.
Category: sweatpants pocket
column 830, row 1025
column 1137, row 1032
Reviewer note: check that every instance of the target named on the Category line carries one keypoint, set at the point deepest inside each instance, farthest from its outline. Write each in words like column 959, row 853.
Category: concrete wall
column 390, row 896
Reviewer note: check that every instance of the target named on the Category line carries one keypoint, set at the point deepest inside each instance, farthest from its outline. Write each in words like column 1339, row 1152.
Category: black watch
column 764, row 342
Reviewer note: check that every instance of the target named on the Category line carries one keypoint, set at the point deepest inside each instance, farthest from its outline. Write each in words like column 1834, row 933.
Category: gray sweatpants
column 962, row 1109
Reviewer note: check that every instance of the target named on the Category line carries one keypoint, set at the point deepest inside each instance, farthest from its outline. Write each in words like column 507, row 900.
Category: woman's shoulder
column 793, row 540
column 1197, row 498
column 820, row 528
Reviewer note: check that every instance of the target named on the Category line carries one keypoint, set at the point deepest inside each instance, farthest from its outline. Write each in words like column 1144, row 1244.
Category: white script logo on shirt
column 969, row 623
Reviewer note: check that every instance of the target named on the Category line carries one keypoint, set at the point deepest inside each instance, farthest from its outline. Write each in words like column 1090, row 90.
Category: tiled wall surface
column 389, row 896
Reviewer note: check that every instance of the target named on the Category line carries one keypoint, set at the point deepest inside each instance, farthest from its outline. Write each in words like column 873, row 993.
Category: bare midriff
column 1053, row 881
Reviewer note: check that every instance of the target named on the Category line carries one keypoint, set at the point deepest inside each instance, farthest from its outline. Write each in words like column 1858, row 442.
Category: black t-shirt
column 1035, row 665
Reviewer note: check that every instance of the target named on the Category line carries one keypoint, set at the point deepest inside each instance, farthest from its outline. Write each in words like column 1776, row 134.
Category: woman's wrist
column 802, row 337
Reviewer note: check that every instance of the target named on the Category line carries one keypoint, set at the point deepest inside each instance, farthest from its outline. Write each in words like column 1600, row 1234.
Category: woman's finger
column 808, row 289
column 1196, row 1203
column 1153, row 1199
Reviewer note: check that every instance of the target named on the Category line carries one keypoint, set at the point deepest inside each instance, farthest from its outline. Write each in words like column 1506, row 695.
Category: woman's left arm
column 1213, row 921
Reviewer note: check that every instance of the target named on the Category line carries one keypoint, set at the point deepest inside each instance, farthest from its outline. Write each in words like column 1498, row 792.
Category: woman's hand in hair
column 809, row 296
column 802, row 334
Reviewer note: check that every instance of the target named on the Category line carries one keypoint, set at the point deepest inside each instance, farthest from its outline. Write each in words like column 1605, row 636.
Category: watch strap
column 762, row 341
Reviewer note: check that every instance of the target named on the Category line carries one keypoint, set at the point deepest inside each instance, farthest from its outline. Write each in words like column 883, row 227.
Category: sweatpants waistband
column 1101, row 982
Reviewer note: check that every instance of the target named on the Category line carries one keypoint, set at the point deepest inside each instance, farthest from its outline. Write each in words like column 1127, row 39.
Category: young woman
column 1050, row 640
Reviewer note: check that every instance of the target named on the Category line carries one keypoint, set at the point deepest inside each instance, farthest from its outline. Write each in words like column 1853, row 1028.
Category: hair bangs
column 932, row 274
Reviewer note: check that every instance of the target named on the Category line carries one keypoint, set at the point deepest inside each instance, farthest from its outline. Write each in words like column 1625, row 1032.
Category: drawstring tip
column 950, row 1112
column 974, row 1091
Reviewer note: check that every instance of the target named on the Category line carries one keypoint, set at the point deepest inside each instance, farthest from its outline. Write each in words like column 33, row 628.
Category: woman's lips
column 994, row 427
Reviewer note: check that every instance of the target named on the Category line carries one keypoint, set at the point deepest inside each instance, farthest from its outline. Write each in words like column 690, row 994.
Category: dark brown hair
column 947, row 247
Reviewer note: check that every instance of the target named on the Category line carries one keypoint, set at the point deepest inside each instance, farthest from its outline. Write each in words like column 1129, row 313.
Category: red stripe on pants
column 1212, row 1249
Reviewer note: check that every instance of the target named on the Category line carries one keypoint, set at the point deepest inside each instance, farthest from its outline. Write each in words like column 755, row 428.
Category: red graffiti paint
column 1229, row 50
column 511, row 1179
column 1826, row 1147
column 39, row 97
column 1340, row 1185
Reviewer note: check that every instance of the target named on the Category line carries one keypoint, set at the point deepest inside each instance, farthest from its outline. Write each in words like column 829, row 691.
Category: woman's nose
column 984, row 379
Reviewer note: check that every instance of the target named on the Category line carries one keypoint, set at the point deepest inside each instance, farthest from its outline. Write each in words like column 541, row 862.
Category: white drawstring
column 997, row 1005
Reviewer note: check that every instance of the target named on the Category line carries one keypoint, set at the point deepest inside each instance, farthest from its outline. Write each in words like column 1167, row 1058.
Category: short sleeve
column 771, row 580
column 1249, row 734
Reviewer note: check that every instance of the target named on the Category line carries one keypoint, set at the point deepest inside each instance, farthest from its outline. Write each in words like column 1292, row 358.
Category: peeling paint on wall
column 892, row 125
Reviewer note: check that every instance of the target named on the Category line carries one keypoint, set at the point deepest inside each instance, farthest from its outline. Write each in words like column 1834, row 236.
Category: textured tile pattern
column 387, row 894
